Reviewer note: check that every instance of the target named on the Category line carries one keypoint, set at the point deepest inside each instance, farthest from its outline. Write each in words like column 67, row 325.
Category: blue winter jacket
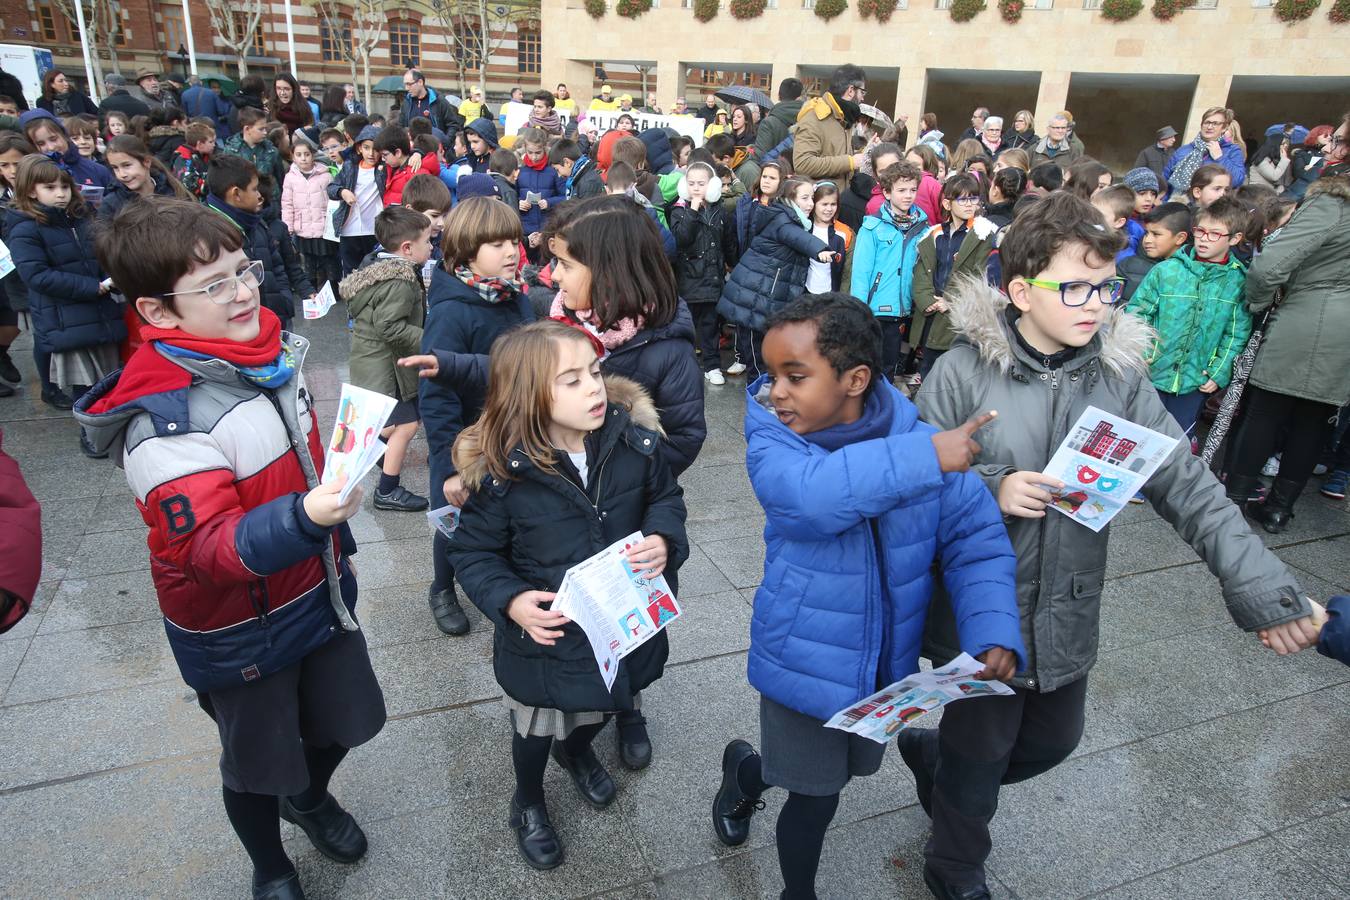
column 546, row 184
column 883, row 249
column 200, row 101
column 850, row 545
column 84, row 172
column 1335, row 640
column 57, row 264
column 1231, row 158
column 772, row 269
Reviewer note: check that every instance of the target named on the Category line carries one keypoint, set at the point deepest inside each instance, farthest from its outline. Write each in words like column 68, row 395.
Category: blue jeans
column 1185, row 408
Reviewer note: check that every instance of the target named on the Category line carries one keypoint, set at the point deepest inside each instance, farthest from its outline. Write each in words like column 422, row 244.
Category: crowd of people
column 552, row 306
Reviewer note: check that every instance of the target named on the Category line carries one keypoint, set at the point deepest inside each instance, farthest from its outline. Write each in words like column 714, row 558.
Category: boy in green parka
column 386, row 300
column 1194, row 299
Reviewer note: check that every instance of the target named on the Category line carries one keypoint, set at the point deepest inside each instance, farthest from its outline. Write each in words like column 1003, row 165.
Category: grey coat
column 1061, row 565
column 1307, row 349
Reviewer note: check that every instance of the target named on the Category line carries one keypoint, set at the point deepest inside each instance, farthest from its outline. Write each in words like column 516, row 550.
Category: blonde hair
column 965, row 151
column 1016, row 159
column 473, row 222
column 519, row 404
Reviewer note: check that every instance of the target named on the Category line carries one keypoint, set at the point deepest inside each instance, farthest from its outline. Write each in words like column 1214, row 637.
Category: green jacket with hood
column 387, row 302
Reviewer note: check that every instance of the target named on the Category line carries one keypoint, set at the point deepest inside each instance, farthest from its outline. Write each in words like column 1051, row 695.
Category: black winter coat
column 458, row 320
column 78, row 104
column 164, row 143
column 118, row 196
column 705, row 245
column 772, row 271
column 240, row 101
column 854, row 198
column 524, row 534
column 123, row 102
column 260, row 247
column 57, row 264
column 12, row 286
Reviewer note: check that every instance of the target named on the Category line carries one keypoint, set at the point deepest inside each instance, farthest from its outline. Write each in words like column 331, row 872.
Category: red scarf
column 538, row 167
column 260, row 351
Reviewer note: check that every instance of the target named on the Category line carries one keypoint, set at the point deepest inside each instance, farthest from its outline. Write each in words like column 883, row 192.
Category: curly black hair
column 847, row 334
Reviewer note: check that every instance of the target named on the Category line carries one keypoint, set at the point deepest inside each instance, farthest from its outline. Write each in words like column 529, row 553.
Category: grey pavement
column 1210, row 767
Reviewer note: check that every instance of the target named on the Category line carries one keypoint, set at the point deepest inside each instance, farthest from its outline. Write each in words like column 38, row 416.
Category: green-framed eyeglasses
column 1077, row 293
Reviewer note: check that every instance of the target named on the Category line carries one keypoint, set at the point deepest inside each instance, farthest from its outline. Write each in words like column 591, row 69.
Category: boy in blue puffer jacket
column 861, row 498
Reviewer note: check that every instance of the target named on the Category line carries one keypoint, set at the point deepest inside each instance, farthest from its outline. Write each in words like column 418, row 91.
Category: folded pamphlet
column 356, row 444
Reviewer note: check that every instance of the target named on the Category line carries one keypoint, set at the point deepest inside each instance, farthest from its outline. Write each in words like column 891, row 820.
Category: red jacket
column 397, row 179
column 20, row 543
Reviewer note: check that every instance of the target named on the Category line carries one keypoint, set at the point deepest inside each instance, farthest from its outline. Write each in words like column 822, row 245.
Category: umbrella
column 390, row 84
column 875, row 115
column 1232, row 398
column 227, row 84
column 739, row 93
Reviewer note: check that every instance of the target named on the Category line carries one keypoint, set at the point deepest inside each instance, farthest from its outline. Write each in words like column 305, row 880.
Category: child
column 1210, row 182
column 772, row 268
column 360, row 186
column 482, row 137
column 45, row 132
column 1144, row 182
column 1058, row 348
column 860, row 499
column 217, row 433
column 13, row 294
column 622, row 181
column 252, row 144
column 821, row 277
column 765, row 191
column 194, row 158
column 304, row 207
column 556, row 442
column 332, row 143
column 387, row 303
column 167, row 133
column 75, row 318
column 883, row 263
column 232, row 191
column 117, row 123
column 504, row 168
column 83, row 131
column 1116, row 204
column 473, row 298
column 1167, row 228
column 538, row 187
column 705, row 238
column 396, row 154
column 929, row 198
column 429, row 196
column 1195, row 301
column 294, row 264
column 958, row 246
column 575, row 170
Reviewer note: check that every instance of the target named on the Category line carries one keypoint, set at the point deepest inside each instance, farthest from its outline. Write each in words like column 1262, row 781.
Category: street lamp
column 183, row 59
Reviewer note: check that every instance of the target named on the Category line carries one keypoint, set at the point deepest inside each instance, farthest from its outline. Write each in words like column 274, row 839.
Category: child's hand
column 956, row 448
column 425, row 364
column 1291, row 637
column 347, row 196
column 938, row 306
column 524, row 206
column 535, row 238
column 543, row 204
column 1000, row 664
column 1209, row 387
column 1023, row 494
column 322, row 507
column 649, row 557
column 455, row 491
column 525, row 610
column 825, row 256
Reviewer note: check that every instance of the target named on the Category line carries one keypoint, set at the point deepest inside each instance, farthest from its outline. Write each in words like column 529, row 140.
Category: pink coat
column 929, row 198
column 304, row 201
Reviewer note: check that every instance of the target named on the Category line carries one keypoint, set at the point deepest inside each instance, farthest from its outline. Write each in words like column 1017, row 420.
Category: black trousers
column 353, row 249
column 986, row 742
column 892, row 336
column 1267, row 413
column 750, row 352
column 708, row 335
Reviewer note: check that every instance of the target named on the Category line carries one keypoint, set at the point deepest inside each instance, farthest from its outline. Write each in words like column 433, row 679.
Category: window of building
column 120, row 35
column 335, row 39
column 1204, row 4
column 469, row 44
column 47, row 20
column 1042, row 4
column 175, row 32
column 258, row 46
column 943, row 4
column 529, row 54
column 1092, row 4
column 1263, row 4
column 405, row 44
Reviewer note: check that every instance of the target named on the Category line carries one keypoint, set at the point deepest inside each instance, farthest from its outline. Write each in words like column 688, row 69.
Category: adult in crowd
column 544, row 114
column 249, row 96
column 11, row 87
column 1023, row 135
column 991, row 136
column 420, row 100
column 517, row 96
column 1338, row 149
column 61, row 98
column 563, row 101
column 1209, row 146
column 606, row 102
column 116, row 98
column 20, row 543
column 742, row 128
column 1156, row 154
column 626, row 103
column 709, row 110
column 149, row 91
column 680, row 107
column 1302, row 373
column 315, row 107
column 1055, row 147
column 1308, row 160
column 474, row 107
column 333, row 107
column 200, row 101
column 286, row 105
column 351, row 102
column 1272, row 163
column 774, row 127
column 821, row 148
column 976, row 125
column 651, row 107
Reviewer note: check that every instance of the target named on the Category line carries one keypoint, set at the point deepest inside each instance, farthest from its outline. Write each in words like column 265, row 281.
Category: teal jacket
column 883, row 249
column 1197, row 309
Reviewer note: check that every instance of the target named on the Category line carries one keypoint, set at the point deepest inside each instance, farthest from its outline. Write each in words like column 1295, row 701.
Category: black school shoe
column 287, row 887
column 593, row 783
column 732, row 807
column 8, row 371
column 535, row 837
column 400, row 499
column 330, row 828
column 912, row 743
column 57, row 398
column 445, row 608
column 944, row 891
column 635, row 746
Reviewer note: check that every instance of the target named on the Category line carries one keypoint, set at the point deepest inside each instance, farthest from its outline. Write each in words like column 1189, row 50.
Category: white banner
column 689, row 126
column 518, row 116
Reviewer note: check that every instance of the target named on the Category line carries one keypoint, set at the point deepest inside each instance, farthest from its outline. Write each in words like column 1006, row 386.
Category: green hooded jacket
column 1202, row 324
column 387, row 303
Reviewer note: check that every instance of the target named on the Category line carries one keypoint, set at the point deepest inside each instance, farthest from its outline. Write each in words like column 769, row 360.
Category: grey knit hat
column 1142, row 179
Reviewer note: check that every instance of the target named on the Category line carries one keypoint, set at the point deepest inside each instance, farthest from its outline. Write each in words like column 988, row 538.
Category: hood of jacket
column 485, row 130
column 72, row 155
column 621, row 392
column 244, row 101
column 1337, row 186
column 166, row 131
column 822, row 107
column 787, row 111
column 977, row 318
column 389, row 268
column 659, row 158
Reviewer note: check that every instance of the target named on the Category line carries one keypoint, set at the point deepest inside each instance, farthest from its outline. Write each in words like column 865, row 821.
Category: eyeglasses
column 989, row 130
column 1215, row 123
column 227, row 289
column 1337, row 139
column 861, row 88
column 1077, row 293
column 968, row 198
column 1212, row 235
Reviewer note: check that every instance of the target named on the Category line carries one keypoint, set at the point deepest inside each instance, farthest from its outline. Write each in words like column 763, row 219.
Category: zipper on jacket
column 1040, row 580
column 881, row 677
column 258, row 598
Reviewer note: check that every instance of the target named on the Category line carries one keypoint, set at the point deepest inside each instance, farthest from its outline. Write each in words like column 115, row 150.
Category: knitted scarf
column 614, row 337
column 1181, row 175
column 550, row 123
column 492, row 290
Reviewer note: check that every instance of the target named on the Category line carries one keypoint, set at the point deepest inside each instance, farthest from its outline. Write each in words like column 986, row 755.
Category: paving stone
column 1320, row 845
column 110, row 552
column 1260, row 869
column 93, row 660
column 741, row 560
column 106, row 600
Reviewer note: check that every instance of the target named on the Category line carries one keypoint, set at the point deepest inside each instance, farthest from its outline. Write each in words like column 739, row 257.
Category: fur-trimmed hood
column 389, row 268
column 622, row 392
column 978, row 319
column 1337, row 186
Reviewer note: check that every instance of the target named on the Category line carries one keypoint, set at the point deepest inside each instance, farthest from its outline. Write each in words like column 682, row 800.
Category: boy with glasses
column 1055, row 345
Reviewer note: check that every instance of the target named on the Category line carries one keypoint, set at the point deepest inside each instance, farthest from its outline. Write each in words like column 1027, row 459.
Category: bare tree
column 357, row 28
column 235, row 22
column 102, row 21
column 476, row 30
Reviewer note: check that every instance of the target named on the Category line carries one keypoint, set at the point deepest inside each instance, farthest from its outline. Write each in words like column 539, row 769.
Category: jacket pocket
column 777, row 607
column 1081, row 617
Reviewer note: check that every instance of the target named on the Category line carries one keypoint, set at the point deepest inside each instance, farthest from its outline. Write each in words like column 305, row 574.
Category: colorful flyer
column 317, row 307
column 1104, row 462
column 884, row 714
column 445, row 520
column 355, row 444
column 618, row 609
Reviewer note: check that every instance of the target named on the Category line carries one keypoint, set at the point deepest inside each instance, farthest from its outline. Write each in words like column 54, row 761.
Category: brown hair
column 1046, row 227
column 755, row 192
column 151, row 244
column 1084, row 176
column 902, row 171
column 1204, row 176
column 196, row 133
column 130, row 145
column 928, row 155
column 12, row 140
column 965, row 151
column 1016, row 158
column 630, row 150
column 396, row 224
column 1226, row 113
column 40, row 122
column 82, row 125
column 1119, row 198
column 426, row 193
column 48, row 92
column 1229, row 212
column 473, row 222
column 250, row 115
column 38, row 169
column 518, row 408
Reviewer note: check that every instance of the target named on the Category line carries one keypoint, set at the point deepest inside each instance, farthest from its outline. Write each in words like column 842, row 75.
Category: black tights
column 256, row 818
column 802, row 824
column 529, row 757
